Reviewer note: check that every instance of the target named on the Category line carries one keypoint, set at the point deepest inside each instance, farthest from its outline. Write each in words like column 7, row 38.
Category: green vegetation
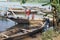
column 49, row 34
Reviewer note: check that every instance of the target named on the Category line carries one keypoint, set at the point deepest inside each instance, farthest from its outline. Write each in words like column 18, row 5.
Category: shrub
column 49, row 34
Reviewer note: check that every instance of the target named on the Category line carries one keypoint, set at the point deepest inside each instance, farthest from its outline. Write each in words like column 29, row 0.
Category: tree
column 23, row 1
column 54, row 5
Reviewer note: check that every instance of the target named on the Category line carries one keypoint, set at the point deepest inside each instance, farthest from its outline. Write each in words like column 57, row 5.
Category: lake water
column 6, row 23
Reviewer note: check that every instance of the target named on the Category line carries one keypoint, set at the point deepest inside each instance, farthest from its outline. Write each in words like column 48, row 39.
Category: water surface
column 5, row 24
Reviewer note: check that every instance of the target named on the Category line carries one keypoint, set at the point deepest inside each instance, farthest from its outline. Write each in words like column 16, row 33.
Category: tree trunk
column 55, row 18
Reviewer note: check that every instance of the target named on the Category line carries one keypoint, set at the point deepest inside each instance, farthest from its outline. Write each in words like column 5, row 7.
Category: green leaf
column 24, row 1
column 59, row 1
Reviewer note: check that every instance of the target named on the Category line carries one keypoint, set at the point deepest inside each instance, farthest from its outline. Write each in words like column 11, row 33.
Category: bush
column 49, row 34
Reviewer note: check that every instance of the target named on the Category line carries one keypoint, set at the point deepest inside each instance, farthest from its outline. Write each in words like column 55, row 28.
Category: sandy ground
column 38, row 37
column 56, row 38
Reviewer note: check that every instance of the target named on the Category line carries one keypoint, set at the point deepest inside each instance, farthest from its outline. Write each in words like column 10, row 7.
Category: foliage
column 58, row 8
column 23, row 1
column 49, row 34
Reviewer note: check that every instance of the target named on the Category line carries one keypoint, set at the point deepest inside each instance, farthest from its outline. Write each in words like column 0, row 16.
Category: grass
column 49, row 34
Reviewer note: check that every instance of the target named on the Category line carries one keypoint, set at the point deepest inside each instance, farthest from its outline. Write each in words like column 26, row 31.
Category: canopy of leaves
column 56, row 3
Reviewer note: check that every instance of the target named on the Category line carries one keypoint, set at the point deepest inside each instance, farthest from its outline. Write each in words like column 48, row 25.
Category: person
column 28, row 11
column 46, row 23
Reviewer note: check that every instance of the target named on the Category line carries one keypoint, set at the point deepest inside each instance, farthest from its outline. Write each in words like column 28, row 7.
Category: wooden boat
column 18, row 32
column 18, row 18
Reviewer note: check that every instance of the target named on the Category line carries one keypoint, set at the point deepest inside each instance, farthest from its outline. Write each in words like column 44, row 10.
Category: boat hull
column 20, row 20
